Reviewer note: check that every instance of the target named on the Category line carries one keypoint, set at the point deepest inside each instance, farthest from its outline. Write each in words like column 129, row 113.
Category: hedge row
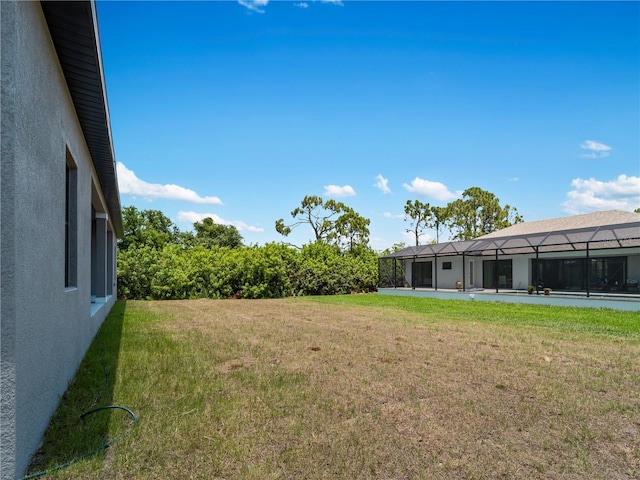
column 269, row 271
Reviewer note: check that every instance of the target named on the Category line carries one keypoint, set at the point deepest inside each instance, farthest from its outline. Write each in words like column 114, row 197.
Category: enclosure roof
column 74, row 31
column 597, row 230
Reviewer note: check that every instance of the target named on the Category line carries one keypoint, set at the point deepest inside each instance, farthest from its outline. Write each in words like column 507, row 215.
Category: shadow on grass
column 71, row 435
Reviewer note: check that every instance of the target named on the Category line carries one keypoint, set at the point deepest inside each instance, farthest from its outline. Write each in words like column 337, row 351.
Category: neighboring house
column 594, row 252
column 59, row 212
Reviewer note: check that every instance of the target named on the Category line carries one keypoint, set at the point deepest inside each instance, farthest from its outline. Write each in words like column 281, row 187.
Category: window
column 446, row 265
column 71, row 224
column 608, row 273
column 422, row 275
column 503, row 275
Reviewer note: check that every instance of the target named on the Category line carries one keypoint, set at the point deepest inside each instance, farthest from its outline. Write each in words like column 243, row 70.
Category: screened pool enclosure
column 588, row 255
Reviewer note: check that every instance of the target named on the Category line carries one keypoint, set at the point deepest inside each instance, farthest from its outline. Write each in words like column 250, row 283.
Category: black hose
column 95, row 450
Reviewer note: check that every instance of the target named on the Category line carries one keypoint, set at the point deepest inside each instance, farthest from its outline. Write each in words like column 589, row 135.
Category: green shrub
column 270, row 271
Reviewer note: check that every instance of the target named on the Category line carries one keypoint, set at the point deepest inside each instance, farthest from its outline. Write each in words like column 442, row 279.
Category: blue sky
column 237, row 110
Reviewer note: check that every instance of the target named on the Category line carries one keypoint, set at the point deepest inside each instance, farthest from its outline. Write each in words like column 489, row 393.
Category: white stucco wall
column 633, row 264
column 46, row 328
column 520, row 270
column 446, row 278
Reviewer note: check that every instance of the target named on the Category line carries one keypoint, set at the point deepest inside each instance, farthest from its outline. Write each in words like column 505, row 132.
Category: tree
column 421, row 214
column 158, row 261
column 396, row 247
column 210, row 234
column 314, row 212
column 637, row 210
column 331, row 222
column 439, row 218
column 351, row 231
column 146, row 227
column 477, row 213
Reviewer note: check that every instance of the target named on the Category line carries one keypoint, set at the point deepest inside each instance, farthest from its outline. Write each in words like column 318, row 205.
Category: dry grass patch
column 288, row 389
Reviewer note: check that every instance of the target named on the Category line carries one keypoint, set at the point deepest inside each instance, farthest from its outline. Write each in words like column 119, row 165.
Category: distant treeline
column 158, row 261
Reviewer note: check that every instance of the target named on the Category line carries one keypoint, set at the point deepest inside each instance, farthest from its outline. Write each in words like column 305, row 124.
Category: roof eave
column 74, row 30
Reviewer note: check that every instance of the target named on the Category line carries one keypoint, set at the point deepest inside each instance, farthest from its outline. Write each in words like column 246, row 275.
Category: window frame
column 71, row 223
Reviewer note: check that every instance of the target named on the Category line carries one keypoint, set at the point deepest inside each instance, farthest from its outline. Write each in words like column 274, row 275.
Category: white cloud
column 391, row 215
column 595, row 149
column 379, row 244
column 513, row 179
column 410, row 238
column 336, row 191
column 129, row 184
column 382, row 183
column 335, row 2
column 623, row 193
column 301, row 5
column 193, row 217
column 254, row 5
column 436, row 190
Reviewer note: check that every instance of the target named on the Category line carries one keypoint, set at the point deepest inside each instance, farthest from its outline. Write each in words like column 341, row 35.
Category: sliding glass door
column 423, row 274
column 503, row 277
column 571, row 273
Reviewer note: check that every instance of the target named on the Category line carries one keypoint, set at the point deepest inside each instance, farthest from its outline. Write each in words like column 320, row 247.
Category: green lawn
column 357, row 386
column 565, row 319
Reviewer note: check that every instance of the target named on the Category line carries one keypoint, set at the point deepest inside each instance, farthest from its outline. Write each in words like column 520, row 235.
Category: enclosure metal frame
column 588, row 239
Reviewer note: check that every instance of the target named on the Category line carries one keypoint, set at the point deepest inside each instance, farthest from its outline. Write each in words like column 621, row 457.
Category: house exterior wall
column 633, row 265
column 446, row 277
column 408, row 272
column 521, row 272
column 45, row 327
